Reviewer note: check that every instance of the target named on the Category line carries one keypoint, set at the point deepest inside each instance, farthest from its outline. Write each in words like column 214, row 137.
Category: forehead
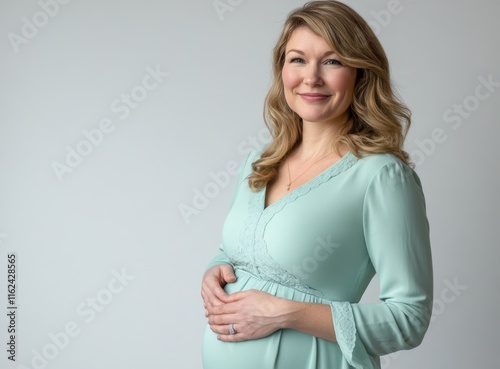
column 303, row 38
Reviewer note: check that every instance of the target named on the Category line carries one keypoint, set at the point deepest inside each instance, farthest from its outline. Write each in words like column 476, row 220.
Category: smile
column 314, row 97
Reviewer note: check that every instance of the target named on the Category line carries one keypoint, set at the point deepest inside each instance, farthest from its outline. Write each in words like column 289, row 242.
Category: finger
column 216, row 310
column 228, row 273
column 236, row 296
column 213, row 281
column 218, row 292
column 238, row 337
column 223, row 320
column 224, row 309
column 205, row 298
column 223, row 329
column 211, row 298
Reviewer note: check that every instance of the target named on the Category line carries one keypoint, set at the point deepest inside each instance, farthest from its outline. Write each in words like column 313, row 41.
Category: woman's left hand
column 254, row 314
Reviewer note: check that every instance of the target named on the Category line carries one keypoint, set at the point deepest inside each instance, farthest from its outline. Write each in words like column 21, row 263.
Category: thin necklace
column 304, row 172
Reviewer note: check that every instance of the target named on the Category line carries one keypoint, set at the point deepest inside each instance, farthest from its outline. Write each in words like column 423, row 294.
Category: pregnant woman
column 329, row 203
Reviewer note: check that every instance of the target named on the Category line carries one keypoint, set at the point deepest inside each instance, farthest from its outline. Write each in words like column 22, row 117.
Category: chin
column 314, row 118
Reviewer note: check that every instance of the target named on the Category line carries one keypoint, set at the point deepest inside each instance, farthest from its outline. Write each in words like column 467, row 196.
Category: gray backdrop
column 122, row 124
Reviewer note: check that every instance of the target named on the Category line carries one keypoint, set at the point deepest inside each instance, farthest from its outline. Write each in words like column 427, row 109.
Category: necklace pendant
column 288, row 187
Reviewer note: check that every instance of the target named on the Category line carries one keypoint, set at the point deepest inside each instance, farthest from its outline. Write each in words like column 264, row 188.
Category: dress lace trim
column 253, row 254
column 345, row 330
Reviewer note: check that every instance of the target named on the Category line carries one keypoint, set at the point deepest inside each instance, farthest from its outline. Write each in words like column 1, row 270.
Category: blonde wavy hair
column 378, row 120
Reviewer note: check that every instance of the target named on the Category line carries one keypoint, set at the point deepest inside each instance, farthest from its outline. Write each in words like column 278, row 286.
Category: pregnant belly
column 284, row 349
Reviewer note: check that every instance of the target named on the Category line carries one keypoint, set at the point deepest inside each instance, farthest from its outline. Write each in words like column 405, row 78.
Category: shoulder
column 254, row 154
column 387, row 168
column 392, row 187
column 375, row 162
column 250, row 156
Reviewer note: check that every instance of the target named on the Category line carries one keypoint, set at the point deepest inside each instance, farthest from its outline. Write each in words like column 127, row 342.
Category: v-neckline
column 307, row 185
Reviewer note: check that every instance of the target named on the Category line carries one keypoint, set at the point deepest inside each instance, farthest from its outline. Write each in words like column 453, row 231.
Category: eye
column 333, row 62
column 296, row 60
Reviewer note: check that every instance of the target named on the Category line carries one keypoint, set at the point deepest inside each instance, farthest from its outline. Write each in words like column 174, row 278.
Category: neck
column 317, row 139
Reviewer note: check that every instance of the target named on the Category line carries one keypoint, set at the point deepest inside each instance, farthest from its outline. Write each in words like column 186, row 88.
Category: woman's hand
column 213, row 282
column 254, row 314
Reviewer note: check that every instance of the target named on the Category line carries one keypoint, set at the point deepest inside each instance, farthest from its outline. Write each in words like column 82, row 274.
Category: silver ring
column 231, row 329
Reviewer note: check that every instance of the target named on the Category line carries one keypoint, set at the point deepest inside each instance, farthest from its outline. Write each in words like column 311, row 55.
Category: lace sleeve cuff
column 345, row 330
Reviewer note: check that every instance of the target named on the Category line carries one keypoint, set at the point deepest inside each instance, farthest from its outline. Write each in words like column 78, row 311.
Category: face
column 318, row 87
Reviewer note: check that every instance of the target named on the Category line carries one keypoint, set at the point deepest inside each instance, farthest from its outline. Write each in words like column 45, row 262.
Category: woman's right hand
column 213, row 282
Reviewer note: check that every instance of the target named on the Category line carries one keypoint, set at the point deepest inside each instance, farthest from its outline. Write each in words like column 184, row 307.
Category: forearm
column 310, row 318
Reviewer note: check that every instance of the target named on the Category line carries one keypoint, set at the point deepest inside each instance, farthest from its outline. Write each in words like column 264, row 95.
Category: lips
column 313, row 96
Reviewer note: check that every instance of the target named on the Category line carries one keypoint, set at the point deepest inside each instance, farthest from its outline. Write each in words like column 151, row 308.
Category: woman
column 329, row 203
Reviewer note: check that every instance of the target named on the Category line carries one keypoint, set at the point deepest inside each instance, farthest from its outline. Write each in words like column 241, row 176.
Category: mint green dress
column 322, row 243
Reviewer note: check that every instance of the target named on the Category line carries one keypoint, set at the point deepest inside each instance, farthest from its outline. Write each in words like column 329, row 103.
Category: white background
column 118, row 209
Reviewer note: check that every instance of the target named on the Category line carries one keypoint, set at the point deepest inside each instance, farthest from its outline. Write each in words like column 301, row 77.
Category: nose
column 312, row 75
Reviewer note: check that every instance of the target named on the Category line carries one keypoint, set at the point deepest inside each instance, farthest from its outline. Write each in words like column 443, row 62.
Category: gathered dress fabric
column 323, row 242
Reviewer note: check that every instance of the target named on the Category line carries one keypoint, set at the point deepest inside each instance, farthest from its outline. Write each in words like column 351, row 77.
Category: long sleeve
column 396, row 232
column 221, row 257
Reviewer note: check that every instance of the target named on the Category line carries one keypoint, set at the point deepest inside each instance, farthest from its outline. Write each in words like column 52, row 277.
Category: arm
column 397, row 238
column 219, row 271
column 310, row 318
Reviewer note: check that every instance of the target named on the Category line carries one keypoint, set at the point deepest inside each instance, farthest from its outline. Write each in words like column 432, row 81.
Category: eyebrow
column 302, row 53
